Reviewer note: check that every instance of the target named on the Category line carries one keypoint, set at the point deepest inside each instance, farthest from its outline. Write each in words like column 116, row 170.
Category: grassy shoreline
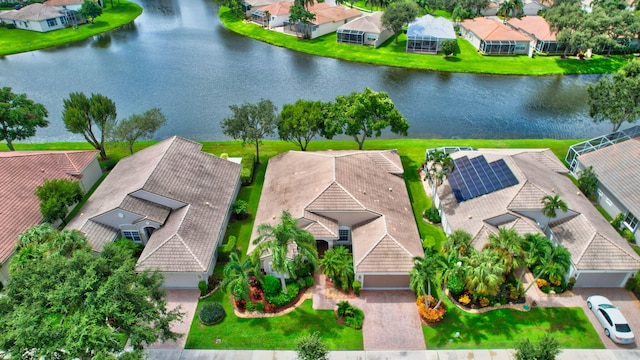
column 467, row 59
column 14, row 41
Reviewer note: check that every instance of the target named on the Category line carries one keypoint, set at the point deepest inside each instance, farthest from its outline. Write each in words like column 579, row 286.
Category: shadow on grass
column 452, row 59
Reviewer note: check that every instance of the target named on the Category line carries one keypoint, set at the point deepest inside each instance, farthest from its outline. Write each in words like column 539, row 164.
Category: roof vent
column 390, row 189
column 207, row 203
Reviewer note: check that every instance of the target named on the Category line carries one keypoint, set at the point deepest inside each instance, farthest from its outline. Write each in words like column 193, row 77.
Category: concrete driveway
column 187, row 300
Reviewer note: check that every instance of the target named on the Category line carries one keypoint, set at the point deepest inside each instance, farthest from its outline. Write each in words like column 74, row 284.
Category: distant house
column 491, row 37
column 615, row 160
column 328, row 19
column 537, row 28
column 351, row 198
column 530, row 8
column 366, row 30
column 21, row 172
column 170, row 197
column 74, row 5
column 498, row 188
column 427, row 33
column 36, row 17
column 278, row 14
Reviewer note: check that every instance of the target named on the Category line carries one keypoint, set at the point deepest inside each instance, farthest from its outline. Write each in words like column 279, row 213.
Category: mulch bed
column 261, row 299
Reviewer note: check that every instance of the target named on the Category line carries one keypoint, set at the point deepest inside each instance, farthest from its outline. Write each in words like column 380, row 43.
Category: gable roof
column 538, row 176
column 488, row 29
column 428, row 25
column 368, row 23
column 33, row 12
column 326, row 14
column 534, row 25
column 21, row 172
column 279, row 8
column 618, row 170
column 322, row 189
column 174, row 169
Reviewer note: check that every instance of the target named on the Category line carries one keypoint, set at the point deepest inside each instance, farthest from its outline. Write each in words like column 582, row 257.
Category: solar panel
column 476, row 177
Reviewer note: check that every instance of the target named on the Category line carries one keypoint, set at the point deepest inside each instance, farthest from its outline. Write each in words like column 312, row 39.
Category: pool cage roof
column 599, row 143
column 350, row 32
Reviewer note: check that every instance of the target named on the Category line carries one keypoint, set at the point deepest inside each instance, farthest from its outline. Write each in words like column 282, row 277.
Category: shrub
column 430, row 314
column 571, row 284
column 455, row 284
column 588, row 183
column 224, row 156
column 283, row 299
column 541, row 282
column 421, row 301
column 302, row 284
column 356, row 285
column 134, row 249
column 248, row 165
column 464, row 299
column 484, row 302
column 627, row 234
column 271, row 285
column 202, row 286
column 429, row 241
column 309, row 281
column 311, row 347
column 302, row 267
column 344, row 309
column 259, row 307
column 240, row 209
column 433, row 215
column 227, row 248
column 250, row 306
column 10, row 26
column 211, row 313
column 107, row 165
column 355, row 321
column 631, row 284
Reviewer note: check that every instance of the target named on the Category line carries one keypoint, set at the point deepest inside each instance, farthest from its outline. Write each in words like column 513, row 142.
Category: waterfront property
column 614, row 158
column 491, row 37
column 328, row 19
column 272, row 15
column 494, row 188
column 537, row 28
column 37, row 17
column 21, row 172
column 427, row 33
column 170, row 197
column 367, row 30
column 352, row 198
column 529, row 8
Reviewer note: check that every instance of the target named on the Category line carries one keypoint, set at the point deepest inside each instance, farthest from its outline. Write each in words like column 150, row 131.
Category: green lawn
column 13, row 41
column 500, row 329
column 466, row 60
column 275, row 333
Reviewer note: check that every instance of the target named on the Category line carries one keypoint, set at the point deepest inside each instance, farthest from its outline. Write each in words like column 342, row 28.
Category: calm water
column 178, row 57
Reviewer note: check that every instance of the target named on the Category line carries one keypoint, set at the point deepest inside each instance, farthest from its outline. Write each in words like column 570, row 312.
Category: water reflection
column 102, row 41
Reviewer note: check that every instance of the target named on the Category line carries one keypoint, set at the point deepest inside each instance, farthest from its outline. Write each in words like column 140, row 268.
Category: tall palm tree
column 550, row 206
column 508, row 245
column 439, row 166
column 425, row 270
column 448, row 264
column 556, row 263
column 277, row 239
column 483, row 273
column 236, row 275
column 337, row 264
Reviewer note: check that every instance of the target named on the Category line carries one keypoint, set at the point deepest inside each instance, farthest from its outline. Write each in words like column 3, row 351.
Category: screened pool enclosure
column 347, row 36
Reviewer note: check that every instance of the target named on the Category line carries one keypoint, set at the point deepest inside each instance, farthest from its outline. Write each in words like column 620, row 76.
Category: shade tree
column 90, row 10
column 92, row 117
column 251, row 123
column 20, row 117
column 56, row 195
column 300, row 122
column 398, row 15
column 139, row 126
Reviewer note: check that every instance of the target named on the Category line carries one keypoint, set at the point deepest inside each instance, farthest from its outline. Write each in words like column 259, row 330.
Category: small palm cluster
column 337, row 264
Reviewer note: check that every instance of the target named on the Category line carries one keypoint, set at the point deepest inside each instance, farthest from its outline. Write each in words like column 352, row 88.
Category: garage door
column 373, row 282
column 601, row 279
column 180, row 281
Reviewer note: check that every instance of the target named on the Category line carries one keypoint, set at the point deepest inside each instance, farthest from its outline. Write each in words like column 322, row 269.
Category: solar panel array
column 476, row 177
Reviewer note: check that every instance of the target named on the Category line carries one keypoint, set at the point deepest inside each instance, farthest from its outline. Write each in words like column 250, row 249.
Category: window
column 372, row 37
column 132, row 235
column 606, row 316
column 52, row 22
column 631, row 221
column 63, row 20
column 343, row 235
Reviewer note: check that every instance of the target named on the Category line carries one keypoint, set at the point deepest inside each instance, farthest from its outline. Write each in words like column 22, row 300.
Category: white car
column 616, row 327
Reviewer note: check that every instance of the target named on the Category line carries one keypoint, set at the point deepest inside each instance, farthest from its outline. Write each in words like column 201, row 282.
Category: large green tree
column 139, row 126
column 19, row 117
column 90, row 10
column 363, row 115
column 302, row 121
column 616, row 99
column 398, row 15
column 56, row 195
column 337, row 264
column 75, row 304
column 251, row 123
column 91, row 117
column 276, row 241
column 566, row 19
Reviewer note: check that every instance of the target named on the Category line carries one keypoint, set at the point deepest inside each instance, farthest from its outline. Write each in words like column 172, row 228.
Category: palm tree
column 425, row 270
column 483, row 273
column 506, row 8
column 337, row 264
column 550, row 205
column 448, row 265
column 277, row 239
column 458, row 242
column 440, row 164
column 556, row 263
column 508, row 245
column 66, row 242
column 236, row 275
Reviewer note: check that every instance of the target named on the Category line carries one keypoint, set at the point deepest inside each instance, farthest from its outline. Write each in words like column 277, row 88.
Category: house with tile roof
column 492, row 37
column 328, row 19
column 617, row 165
column 21, row 172
column 170, row 197
column 36, row 17
column 529, row 7
column 476, row 199
column 352, row 198
column 278, row 13
column 366, row 30
column 425, row 35
column 537, row 28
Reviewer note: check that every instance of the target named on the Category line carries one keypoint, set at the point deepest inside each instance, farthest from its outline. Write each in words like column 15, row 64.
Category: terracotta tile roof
column 279, row 8
column 63, row 2
column 618, row 170
column 367, row 23
column 202, row 186
column 20, row 173
column 33, row 12
column 488, row 29
column 364, row 186
column 333, row 14
column 534, row 25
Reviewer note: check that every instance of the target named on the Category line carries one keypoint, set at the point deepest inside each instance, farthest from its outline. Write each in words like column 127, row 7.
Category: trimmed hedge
column 211, row 313
column 248, row 166
column 271, row 285
column 283, row 299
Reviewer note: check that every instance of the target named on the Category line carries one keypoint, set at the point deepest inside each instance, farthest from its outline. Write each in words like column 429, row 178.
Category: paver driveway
column 187, row 300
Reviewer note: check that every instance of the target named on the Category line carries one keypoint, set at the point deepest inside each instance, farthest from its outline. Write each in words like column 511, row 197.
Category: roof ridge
column 632, row 255
column 375, row 244
column 353, row 197
column 383, row 154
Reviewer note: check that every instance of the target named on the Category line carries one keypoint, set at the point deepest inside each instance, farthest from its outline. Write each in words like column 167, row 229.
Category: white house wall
column 155, row 198
column 327, row 28
column 90, row 174
column 117, row 217
column 471, row 37
column 4, row 269
column 278, row 20
column 182, row 280
column 382, row 37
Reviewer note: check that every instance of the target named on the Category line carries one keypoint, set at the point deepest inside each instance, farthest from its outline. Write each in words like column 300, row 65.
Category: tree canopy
column 19, row 116
column 398, row 15
column 139, row 126
column 363, row 115
column 66, row 302
column 91, row 10
column 302, row 121
column 86, row 116
column 251, row 123
column 56, row 195
column 616, row 99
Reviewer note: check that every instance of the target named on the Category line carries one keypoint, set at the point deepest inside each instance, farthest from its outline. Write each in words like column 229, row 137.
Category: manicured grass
column 275, row 333
column 13, row 41
column 500, row 329
column 467, row 58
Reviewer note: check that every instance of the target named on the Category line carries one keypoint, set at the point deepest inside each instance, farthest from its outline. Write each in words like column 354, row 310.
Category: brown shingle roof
column 618, row 170
column 534, row 25
column 20, row 173
column 488, row 29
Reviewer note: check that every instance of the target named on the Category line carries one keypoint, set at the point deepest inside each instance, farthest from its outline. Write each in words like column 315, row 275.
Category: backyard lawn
column 275, row 333
column 500, row 329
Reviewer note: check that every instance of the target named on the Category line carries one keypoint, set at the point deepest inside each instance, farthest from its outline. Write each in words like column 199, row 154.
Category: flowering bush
column 421, row 301
column 556, row 282
column 541, row 282
column 484, row 302
column 464, row 299
column 430, row 314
